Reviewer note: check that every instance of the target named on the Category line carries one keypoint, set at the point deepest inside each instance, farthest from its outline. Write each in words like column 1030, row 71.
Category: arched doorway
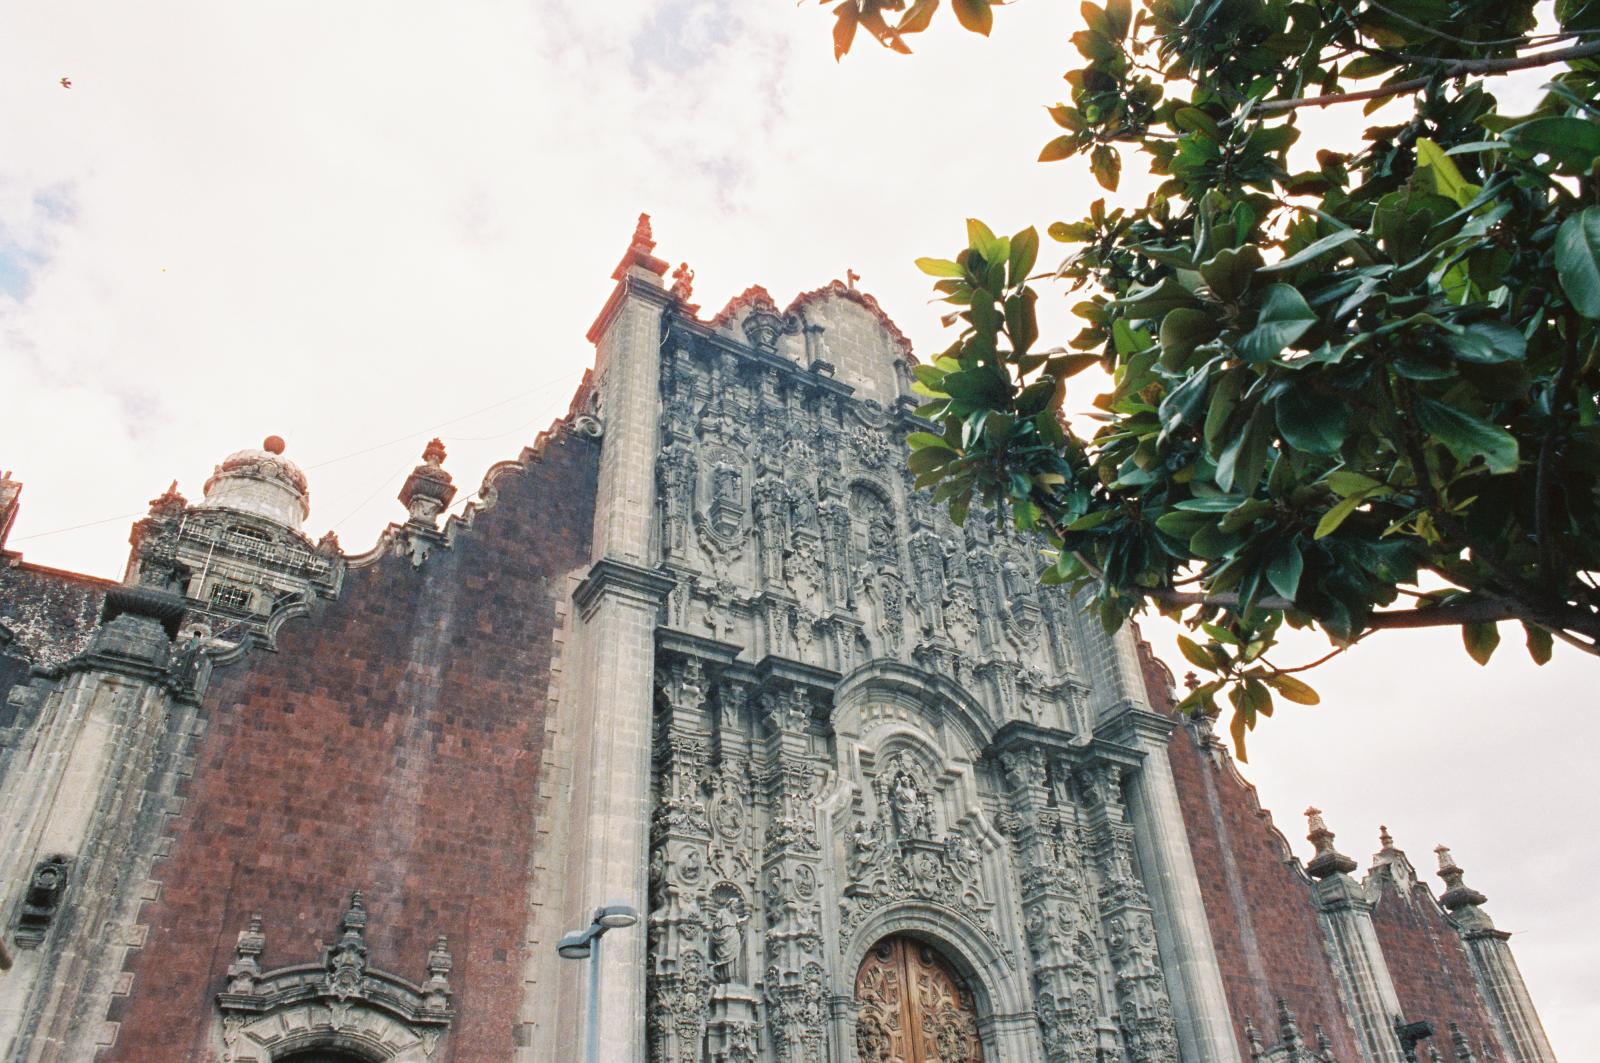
column 915, row 1008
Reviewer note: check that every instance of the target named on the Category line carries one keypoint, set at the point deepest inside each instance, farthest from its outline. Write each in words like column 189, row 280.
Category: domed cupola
column 261, row 482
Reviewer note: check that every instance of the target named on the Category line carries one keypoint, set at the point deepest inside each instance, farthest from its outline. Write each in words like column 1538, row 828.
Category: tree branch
column 1450, row 70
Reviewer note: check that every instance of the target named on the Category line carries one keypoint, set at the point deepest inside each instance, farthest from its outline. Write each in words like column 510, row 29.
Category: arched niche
column 936, row 697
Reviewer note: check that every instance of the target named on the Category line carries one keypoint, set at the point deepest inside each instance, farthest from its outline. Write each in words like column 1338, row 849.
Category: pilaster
column 1516, row 1022
column 81, row 811
column 1183, row 932
column 1346, row 916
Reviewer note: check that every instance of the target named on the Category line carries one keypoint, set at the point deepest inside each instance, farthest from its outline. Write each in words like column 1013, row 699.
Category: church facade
column 875, row 793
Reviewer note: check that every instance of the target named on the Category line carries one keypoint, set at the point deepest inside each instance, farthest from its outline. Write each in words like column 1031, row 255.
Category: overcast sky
column 360, row 224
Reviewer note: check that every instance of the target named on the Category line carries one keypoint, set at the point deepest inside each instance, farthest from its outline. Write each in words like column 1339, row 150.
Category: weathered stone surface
column 704, row 651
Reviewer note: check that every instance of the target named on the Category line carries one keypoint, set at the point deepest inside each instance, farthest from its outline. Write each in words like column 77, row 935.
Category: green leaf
column 1338, row 514
column 1571, row 143
column 1346, row 482
column 1285, row 316
column 1467, row 436
column 1059, row 148
column 1487, row 343
column 1312, row 422
column 1285, row 570
column 1182, row 330
column 1196, row 654
column 1118, row 14
column 919, row 440
column 1224, row 397
column 1312, row 251
column 983, row 240
column 1241, row 463
column 940, row 267
column 1292, row 688
column 1447, row 180
column 1024, row 252
column 1237, row 728
column 844, row 28
column 1229, row 271
column 1106, row 166
column 1578, row 261
column 1539, row 643
column 975, row 15
column 1480, row 640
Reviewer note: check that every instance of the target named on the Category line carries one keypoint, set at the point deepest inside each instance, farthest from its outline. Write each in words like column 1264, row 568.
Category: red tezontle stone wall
column 1429, row 965
column 1262, row 914
column 391, row 745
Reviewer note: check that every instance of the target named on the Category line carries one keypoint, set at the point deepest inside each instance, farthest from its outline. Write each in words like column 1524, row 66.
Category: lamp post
column 585, row 944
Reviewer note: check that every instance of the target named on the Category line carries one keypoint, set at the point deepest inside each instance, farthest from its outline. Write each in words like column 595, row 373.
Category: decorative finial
column 1384, row 838
column 429, row 489
column 169, row 503
column 1191, row 681
column 850, row 278
column 273, row 444
column 1457, row 894
column 1324, row 1045
column 1328, row 861
column 436, row 990
column 643, row 239
column 683, row 283
column 1253, row 1039
column 329, row 544
column 245, row 969
column 1288, row 1026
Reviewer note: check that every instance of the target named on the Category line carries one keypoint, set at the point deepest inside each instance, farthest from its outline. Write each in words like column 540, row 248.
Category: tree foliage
column 1356, row 396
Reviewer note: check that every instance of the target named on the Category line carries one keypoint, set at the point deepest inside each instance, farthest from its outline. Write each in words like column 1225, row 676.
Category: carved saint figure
column 866, row 848
column 727, row 943
column 910, row 807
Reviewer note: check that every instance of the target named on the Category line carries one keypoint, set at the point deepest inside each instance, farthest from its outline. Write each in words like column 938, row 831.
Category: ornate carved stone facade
column 867, row 716
column 878, row 794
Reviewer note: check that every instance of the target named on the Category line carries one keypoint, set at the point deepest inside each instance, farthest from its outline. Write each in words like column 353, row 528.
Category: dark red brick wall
column 1429, row 965
column 1260, row 905
column 392, row 745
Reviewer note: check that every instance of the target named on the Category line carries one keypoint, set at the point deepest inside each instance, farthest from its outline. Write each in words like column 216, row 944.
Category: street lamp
column 585, row 944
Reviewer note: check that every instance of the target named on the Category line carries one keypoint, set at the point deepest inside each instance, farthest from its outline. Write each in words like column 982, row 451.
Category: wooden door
column 914, row 1007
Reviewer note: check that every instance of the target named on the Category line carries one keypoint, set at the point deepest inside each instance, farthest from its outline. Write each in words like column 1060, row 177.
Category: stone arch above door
column 1007, row 1028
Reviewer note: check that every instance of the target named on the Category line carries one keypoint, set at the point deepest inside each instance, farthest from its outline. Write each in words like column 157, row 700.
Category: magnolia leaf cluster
column 1351, row 388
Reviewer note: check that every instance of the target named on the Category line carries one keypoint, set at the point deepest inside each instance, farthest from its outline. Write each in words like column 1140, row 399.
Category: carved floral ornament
column 340, row 1003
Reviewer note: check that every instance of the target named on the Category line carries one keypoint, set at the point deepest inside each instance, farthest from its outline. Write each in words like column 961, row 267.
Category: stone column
column 1183, row 933
column 1346, row 917
column 795, row 980
column 1516, row 1022
column 1143, row 999
column 1068, row 996
column 617, row 609
column 81, row 811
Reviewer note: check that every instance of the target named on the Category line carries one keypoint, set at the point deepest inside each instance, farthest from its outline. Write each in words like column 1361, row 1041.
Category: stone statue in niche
column 727, row 941
column 727, row 498
column 912, row 809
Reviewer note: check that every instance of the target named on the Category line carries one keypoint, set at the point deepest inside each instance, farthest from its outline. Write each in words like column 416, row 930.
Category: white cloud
column 349, row 222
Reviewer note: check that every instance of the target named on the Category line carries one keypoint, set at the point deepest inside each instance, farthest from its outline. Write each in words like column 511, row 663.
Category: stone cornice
column 1130, row 724
column 612, row 578
column 628, row 284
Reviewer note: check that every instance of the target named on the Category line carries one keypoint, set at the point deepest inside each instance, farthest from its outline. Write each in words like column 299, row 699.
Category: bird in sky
column 66, row 83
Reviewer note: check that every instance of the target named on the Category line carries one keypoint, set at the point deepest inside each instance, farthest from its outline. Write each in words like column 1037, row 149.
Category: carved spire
column 9, row 490
column 436, row 990
column 639, row 253
column 245, row 969
column 169, row 503
column 1385, row 839
column 1458, row 1038
column 347, row 960
column 1457, row 894
column 1288, row 1027
column 1324, row 1045
column 429, row 489
column 1328, row 860
column 1253, row 1039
